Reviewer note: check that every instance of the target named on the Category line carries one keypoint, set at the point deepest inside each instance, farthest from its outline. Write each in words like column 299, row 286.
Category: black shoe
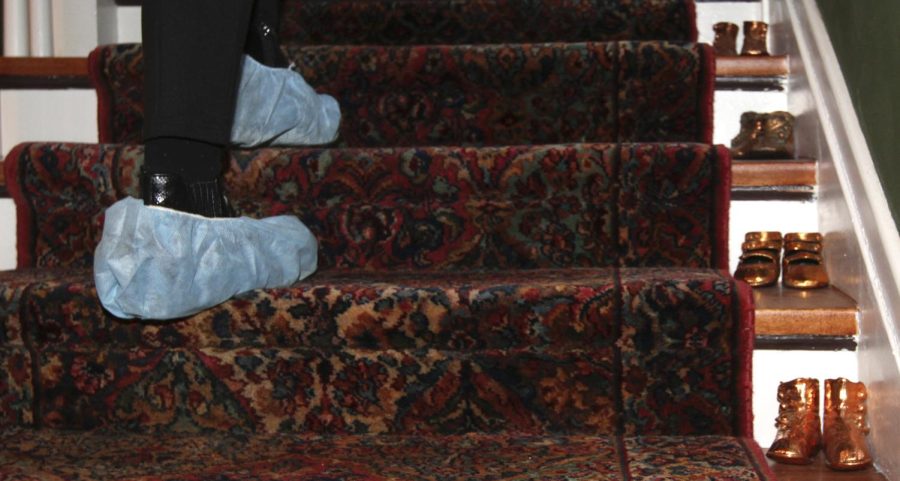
column 206, row 198
column 165, row 190
column 263, row 45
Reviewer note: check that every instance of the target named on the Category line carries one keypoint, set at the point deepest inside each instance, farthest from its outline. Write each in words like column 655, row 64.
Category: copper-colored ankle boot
column 799, row 434
column 755, row 38
column 845, row 425
column 725, row 42
column 764, row 135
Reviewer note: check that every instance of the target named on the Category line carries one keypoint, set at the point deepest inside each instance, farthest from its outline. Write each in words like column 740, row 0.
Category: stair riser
column 643, row 333
column 55, row 455
column 407, row 22
column 359, row 392
column 476, row 95
column 426, row 209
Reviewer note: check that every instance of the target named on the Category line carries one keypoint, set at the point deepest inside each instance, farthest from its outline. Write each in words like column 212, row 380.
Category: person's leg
column 192, row 63
column 262, row 37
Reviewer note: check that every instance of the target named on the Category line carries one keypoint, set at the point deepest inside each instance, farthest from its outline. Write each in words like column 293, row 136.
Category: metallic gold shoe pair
column 755, row 33
column 801, row 268
column 843, row 437
column 764, row 135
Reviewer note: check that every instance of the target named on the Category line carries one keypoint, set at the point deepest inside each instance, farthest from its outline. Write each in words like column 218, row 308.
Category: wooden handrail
column 43, row 72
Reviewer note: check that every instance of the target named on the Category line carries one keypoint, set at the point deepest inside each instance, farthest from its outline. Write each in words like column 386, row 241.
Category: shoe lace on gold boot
column 799, row 435
column 845, row 425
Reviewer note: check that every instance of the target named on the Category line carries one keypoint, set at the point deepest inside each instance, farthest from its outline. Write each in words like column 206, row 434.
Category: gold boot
column 845, row 425
column 725, row 42
column 755, row 39
column 799, row 435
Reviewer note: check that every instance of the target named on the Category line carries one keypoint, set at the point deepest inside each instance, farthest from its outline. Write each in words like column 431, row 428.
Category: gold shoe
column 764, row 136
column 759, row 265
column 725, row 42
column 803, row 266
column 799, row 435
column 845, row 425
column 755, row 39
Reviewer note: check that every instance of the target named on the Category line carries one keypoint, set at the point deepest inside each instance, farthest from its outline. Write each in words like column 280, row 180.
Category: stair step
column 475, row 95
column 43, row 72
column 744, row 174
column 49, row 455
column 782, row 311
column 752, row 66
column 773, row 173
column 392, row 353
column 818, row 471
column 424, row 208
column 405, row 22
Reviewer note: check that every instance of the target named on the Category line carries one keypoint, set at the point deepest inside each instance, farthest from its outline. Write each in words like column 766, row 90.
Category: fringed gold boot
column 799, row 432
column 845, row 425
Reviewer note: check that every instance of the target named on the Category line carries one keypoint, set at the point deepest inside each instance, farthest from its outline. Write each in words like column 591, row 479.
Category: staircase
column 523, row 268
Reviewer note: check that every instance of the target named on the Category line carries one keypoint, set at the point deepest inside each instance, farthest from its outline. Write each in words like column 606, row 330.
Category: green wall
column 866, row 37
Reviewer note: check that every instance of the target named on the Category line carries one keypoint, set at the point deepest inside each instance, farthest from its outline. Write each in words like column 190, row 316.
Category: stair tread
column 45, row 454
column 820, row 312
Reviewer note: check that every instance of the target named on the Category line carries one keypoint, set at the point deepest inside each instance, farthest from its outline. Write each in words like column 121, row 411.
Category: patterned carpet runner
column 61, row 455
column 424, row 22
column 522, row 235
column 585, row 351
column 426, row 208
column 506, row 94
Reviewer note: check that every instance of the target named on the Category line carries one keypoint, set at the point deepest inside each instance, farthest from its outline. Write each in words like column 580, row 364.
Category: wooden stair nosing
column 813, row 312
column 752, row 66
column 767, row 173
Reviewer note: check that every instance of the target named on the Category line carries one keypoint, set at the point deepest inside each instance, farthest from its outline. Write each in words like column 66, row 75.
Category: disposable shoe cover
column 157, row 263
column 275, row 106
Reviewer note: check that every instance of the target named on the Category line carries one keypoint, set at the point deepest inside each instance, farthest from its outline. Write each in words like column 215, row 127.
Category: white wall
column 60, row 115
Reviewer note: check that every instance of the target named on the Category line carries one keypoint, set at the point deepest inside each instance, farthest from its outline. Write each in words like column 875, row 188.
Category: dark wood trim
column 752, row 84
column 805, row 343
column 784, row 192
column 44, row 73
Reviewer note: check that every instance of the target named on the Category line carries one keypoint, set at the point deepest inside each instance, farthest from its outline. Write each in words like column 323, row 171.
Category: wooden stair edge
column 818, row 471
column 15, row 71
column 44, row 72
column 804, row 312
column 773, row 173
column 762, row 173
column 752, row 66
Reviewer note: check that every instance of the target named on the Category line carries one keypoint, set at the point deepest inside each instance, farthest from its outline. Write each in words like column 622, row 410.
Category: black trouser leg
column 192, row 61
column 262, row 37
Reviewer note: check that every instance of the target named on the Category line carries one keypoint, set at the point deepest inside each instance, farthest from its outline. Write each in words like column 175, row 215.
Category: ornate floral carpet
column 421, row 208
column 57, row 455
column 490, row 94
column 631, row 351
column 516, row 281
column 431, row 22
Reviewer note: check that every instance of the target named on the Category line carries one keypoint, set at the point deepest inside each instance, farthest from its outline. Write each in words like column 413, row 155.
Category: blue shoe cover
column 157, row 263
column 276, row 107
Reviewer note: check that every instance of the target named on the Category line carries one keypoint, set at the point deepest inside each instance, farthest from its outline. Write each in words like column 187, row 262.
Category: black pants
column 192, row 60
